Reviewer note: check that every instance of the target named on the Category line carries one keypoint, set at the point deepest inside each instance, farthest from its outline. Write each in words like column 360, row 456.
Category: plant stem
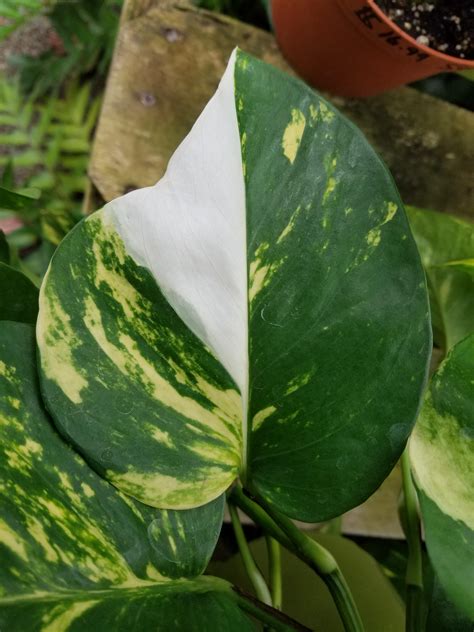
column 258, row 515
column 274, row 619
column 414, row 574
column 309, row 551
column 253, row 572
column 274, row 564
column 324, row 564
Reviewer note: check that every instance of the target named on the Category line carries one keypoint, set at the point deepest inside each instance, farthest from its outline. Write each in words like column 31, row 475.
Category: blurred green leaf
column 15, row 13
column 86, row 30
column 468, row 74
column 446, row 246
column 7, row 179
column 4, row 248
column 391, row 556
column 305, row 596
column 19, row 297
column 12, row 201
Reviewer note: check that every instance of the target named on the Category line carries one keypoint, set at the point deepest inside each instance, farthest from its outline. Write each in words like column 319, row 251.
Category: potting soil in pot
column 444, row 25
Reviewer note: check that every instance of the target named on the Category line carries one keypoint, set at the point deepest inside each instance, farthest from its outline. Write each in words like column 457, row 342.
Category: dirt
column 444, row 25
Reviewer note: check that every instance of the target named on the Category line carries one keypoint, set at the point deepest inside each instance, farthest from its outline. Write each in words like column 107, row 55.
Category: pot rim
column 458, row 62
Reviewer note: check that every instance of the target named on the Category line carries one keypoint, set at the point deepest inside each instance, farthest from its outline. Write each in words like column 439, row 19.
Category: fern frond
column 53, row 140
column 87, row 30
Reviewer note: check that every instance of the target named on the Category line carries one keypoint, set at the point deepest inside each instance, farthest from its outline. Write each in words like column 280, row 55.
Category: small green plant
column 16, row 13
column 254, row 328
column 50, row 143
column 47, row 140
column 85, row 30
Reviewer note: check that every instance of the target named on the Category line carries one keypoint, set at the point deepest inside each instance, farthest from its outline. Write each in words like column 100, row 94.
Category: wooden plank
column 167, row 64
column 428, row 145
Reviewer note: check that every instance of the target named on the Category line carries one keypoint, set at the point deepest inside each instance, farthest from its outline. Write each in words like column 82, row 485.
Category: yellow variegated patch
column 169, row 396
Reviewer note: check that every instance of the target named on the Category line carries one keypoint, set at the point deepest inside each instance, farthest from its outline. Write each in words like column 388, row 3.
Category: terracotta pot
column 351, row 48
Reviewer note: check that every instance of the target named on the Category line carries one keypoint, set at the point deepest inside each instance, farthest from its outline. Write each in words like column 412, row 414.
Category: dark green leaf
column 7, row 180
column 338, row 325
column 4, row 249
column 443, row 616
column 18, row 296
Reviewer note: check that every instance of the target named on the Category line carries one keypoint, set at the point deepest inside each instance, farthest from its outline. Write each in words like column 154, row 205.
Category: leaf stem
column 414, row 573
column 317, row 557
column 258, row 515
column 274, row 564
column 256, row 578
column 274, row 619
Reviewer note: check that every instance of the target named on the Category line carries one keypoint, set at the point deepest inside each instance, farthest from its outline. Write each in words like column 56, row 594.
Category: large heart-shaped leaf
column 442, row 456
column 446, row 245
column 73, row 548
column 261, row 310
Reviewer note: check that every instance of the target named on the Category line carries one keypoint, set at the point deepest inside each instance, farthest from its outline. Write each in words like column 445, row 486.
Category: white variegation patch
column 189, row 230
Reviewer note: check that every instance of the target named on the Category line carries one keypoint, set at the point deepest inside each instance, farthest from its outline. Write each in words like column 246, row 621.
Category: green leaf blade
column 338, row 324
column 4, row 249
column 19, row 296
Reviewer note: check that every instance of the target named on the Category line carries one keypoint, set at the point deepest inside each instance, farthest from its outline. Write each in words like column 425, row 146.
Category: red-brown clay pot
column 351, row 48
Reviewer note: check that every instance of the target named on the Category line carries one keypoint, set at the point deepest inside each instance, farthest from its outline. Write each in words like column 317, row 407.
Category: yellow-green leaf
column 74, row 550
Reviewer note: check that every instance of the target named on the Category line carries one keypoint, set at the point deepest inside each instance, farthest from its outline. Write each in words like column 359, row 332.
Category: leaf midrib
column 201, row 584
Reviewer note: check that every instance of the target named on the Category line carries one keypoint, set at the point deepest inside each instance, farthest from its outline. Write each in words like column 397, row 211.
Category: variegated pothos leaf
column 205, row 603
column 261, row 310
column 72, row 548
column 442, row 456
